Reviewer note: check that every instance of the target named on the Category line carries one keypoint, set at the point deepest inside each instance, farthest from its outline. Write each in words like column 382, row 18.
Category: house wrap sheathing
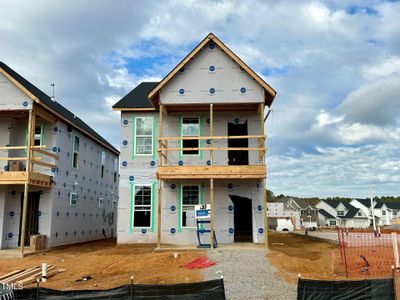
column 175, row 151
column 67, row 171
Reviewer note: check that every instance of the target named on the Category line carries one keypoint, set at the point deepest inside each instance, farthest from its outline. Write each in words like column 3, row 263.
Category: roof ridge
column 47, row 102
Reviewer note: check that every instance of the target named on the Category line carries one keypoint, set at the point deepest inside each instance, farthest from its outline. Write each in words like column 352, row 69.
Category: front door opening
column 236, row 157
column 32, row 217
column 242, row 218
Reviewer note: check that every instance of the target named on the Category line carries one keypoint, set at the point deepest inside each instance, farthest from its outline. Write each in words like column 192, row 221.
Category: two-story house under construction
column 195, row 137
column 58, row 177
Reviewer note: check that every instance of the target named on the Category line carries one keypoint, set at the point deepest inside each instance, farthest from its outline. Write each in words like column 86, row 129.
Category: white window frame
column 103, row 163
column 136, row 136
column 75, row 151
column 340, row 213
column 73, row 201
column 115, row 173
column 100, row 202
column 181, row 133
column 134, row 205
column 187, row 205
column 38, row 136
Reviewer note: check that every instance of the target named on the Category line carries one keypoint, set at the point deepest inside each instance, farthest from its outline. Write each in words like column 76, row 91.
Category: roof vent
column 52, row 90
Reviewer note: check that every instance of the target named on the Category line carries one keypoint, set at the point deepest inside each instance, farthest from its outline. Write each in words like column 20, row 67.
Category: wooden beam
column 211, row 213
column 17, row 84
column 13, row 158
column 264, row 185
column 217, row 148
column 211, row 132
column 44, row 114
column 44, row 164
column 204, row 172
column 160, row 135
column 19, row 177
column 160, row 182
column 19, row 147
column 225, row 107
column 31, row 126
column 224, row 137
column 262, row 132
column 135, row 109
column 47, row 153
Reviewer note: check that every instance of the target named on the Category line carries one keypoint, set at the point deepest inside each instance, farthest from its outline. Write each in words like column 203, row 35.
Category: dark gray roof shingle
column 137, row 98
column 325, row 214
column 334, row 203
column 46, row 100
column 393, row 205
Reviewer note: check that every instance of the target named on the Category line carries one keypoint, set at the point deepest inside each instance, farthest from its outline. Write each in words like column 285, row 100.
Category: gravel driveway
column 248, row 275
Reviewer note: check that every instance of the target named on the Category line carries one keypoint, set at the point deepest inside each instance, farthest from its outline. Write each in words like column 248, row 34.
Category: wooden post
column 264, row 185
column 160, row 182
column 211, row 212
column 265, row 213
column 211, row 132
column 262, row 131
column 29, row 139
column 160, row 134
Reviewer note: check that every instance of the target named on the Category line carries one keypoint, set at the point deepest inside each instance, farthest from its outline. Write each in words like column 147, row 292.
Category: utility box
column 37, row 242
column 15, row 166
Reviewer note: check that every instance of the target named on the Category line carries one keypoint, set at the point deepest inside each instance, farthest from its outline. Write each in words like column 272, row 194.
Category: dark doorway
column 238, row 157
column 32, row 217
column 242, row 218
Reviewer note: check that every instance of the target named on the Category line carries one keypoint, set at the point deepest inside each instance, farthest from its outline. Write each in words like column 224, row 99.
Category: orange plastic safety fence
column 368, row 254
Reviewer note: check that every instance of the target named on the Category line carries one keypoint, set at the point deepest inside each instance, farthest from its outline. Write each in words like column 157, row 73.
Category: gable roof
column 326, row 214
column 393, row 205
column 270, row 93
column 301, row 203
column 43, row 99
column 137, row 98
column 335, row 203
column 365, row 202
column 351, row 213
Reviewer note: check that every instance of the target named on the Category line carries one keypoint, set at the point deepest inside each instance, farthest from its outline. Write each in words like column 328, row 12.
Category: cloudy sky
column 335, row 125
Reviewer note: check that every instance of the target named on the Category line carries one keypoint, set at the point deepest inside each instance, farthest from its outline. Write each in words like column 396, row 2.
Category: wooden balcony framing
column 21, row 177
column 208, row 172
column 211, row 172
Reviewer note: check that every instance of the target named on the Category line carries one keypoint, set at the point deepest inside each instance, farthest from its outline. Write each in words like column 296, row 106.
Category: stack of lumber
column 28, row 276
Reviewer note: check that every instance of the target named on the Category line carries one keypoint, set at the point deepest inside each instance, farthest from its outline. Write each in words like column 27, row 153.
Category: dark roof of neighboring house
column 393, row 205
column 351, row 213
column 137, row 98
column 53, row 105
column 300, row 202
column 365, row 202
column 334, row 203
column 326, row 214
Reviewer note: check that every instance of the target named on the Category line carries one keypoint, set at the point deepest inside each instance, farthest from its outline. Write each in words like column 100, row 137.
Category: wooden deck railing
column 163, row 148
column 35, row 160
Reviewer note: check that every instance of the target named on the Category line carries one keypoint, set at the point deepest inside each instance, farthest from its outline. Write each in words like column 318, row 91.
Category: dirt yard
column 293, row 255
column 109, row 265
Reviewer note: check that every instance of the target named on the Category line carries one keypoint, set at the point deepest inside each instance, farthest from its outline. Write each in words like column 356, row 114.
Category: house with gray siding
column 58, row 177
